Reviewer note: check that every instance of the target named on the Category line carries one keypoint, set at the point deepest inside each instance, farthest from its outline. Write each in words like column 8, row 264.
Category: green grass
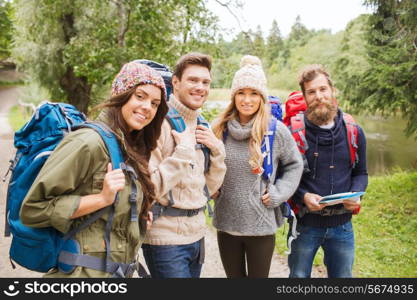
column 7, row 81
column 219, row 94
column 18, row 116
column 385, row 229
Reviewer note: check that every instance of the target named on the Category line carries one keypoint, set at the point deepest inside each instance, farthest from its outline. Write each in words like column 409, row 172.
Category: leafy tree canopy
column 275, row 43
column 5, row 28
column 75, row 47
column 388, row 83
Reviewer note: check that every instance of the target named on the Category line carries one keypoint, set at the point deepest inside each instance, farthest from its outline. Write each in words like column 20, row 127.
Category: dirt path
column 212, row 267
column 8, row 98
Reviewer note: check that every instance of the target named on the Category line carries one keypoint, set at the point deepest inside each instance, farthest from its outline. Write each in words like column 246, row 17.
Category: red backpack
column 294, row 105
column 294, row 120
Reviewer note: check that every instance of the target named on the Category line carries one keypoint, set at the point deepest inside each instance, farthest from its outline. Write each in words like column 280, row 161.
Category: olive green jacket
column 77, row 168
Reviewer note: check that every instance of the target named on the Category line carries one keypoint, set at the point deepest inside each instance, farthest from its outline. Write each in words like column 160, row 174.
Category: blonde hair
column 259, row 129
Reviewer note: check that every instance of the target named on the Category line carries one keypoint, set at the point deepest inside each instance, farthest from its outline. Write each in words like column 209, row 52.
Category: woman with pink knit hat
column 244, row 212
column 78, row 179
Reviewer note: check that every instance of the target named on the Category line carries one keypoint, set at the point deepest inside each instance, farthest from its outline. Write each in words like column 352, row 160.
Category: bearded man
column 330, row 171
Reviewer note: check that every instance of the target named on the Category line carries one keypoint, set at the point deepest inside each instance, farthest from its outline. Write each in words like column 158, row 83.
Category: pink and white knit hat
column 134, row 73
column 250, row 75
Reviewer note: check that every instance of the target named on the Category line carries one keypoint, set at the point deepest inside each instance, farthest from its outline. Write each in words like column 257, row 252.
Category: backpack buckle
column 192, row 212
column 157, row 210
column 131, row 269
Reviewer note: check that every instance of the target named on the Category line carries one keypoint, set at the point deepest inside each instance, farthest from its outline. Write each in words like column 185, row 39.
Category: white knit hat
column 250, row 75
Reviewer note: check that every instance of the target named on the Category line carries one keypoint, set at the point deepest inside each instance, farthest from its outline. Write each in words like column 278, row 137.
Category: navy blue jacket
column 332, row 146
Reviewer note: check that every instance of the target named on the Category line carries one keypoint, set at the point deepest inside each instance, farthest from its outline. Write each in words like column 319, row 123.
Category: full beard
column 321, row 113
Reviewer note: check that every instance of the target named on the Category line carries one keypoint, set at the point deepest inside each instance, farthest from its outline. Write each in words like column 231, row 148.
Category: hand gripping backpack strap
column 177, row 123
column 116, row 158
column 206, row 152
column 67, row 260
column 204, row 148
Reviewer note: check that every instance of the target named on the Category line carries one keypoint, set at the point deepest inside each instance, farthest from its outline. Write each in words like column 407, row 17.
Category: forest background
column 71, row 50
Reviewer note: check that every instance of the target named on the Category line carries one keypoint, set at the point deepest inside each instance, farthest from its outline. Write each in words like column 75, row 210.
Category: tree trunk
column 124, row 17
column 9, row 65
column 77, row 89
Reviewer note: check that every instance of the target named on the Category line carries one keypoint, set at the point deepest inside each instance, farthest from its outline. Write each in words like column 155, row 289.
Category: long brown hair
column 139, row 143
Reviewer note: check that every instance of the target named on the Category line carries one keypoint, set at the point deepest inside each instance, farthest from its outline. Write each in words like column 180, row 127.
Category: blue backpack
column 41, row 249
column 163, row 70
column 268, row 141
column 284, row 208
column 276, row 110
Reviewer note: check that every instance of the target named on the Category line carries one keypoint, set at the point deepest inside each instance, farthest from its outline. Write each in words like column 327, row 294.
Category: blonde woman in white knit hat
column 244, row 208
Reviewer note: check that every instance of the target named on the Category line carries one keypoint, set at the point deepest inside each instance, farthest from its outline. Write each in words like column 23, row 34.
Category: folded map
column 341, row 197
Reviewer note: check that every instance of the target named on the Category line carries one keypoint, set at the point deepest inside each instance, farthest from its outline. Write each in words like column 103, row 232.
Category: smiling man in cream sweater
column 174, row 246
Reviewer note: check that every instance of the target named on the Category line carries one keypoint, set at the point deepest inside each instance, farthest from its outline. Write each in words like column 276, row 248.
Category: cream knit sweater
column 180, row 169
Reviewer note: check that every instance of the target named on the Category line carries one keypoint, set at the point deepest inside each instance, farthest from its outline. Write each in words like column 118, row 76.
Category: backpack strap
column 118, row 270
column 225, row 135
column 175, row 120
column 288, row 212
column 352, row 136
column 13, row 163
column 204, row 148
column 298, row 132
column 68, row 258
column 117, row 160
column 297, row 128
column 266, row 148
column 110, row 141
column 177, row 123
column 161, row 210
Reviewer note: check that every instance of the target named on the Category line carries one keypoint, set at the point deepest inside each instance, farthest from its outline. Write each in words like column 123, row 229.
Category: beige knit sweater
column 180, row 169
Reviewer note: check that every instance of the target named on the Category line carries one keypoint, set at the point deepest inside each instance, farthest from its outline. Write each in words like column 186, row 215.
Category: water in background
column 387, row 146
